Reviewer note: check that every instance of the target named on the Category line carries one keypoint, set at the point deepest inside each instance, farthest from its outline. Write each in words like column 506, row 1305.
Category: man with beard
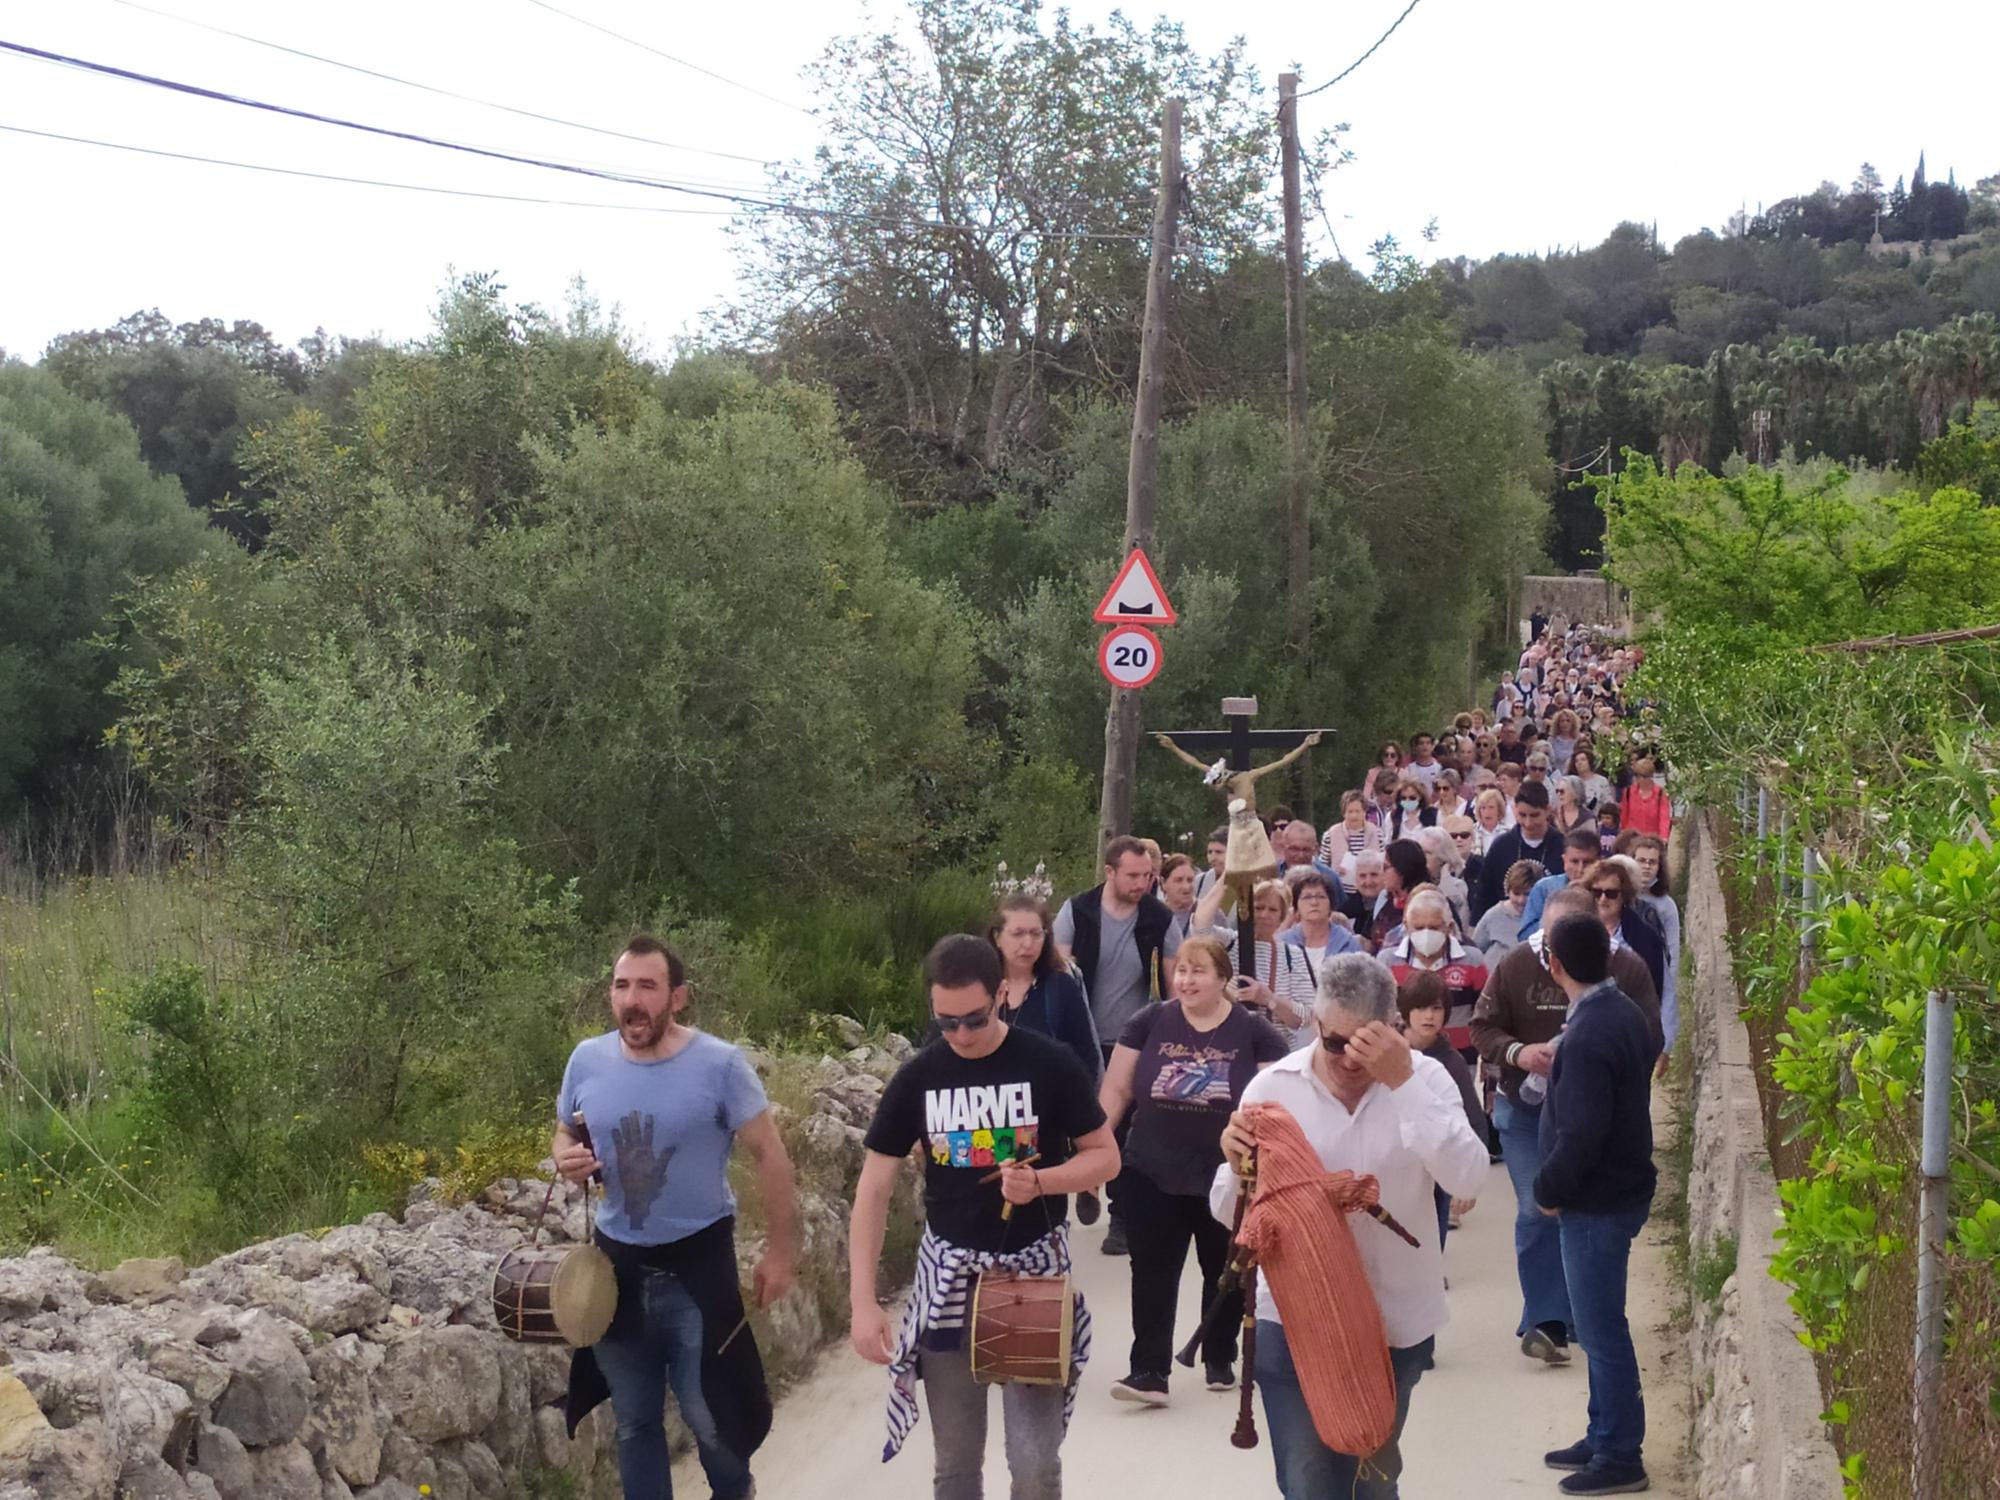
column 652, row 1110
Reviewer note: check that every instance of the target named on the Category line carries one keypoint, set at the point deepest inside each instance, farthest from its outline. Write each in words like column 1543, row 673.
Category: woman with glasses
column 1390, row 757
column 1413, row 808
column 1181, row 1067
column 1649, row 855
column 1615, row 890
column 1450, row 803
column 1269, row 975
column 1315, row 934
column 1037, row 991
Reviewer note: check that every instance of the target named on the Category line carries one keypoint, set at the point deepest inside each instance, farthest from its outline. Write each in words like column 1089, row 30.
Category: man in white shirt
column 1369, row 1105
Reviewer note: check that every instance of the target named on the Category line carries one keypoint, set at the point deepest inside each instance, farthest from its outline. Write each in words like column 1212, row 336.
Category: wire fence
column 1942, row 1443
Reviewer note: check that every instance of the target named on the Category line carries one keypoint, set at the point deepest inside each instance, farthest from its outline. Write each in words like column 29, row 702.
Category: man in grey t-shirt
column 1122, row 937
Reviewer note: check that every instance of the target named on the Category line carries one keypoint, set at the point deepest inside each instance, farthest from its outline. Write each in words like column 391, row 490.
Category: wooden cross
column 1237, row 741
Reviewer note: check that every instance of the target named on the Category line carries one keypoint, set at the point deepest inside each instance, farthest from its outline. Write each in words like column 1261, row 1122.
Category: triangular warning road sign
column 1136, row 595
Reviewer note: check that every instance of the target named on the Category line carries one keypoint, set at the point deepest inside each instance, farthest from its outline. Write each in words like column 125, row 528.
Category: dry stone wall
column 362, row 1363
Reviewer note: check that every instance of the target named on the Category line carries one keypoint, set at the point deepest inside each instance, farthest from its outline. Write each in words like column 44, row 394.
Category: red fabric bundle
column 1297, row 1227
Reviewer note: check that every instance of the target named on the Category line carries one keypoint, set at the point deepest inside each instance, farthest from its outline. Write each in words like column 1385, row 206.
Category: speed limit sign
column 1129, row 657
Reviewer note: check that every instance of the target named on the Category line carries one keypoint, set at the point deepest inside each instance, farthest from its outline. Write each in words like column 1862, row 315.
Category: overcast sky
column 1517, row 125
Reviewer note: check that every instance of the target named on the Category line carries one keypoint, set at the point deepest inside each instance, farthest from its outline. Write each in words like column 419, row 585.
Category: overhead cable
column 408, row 187
column 429, row 88
column 679, row 61
column 1323, row 87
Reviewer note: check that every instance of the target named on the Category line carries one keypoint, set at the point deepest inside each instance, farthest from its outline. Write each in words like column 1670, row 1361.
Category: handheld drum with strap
column 556, row 1294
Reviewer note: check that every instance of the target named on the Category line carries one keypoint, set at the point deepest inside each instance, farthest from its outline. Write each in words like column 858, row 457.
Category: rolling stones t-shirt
column 663, row 1131
column 1185, row 1087
column 1029, row 1095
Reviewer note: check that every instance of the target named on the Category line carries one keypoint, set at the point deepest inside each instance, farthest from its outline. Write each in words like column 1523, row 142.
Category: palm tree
column 1679, row 395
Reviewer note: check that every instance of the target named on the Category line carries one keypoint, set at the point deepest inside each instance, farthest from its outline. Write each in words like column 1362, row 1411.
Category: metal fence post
column 1763, row 821
column 1784, row 851
column 1809, row 893
column 1933, row 1222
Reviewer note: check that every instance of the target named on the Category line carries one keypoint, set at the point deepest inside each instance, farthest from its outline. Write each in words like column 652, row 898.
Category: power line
column 220, row 97
column 630, row 179
column 679, row 61
column 411, row 83
column 742, row 201
column 408, row 187
column 1322, row 88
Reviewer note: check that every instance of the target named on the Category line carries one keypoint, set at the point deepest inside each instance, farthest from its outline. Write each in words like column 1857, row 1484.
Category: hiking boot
column 1221, row 1375
column 1089, row 1208
column 1571, row 1459
column 1536, row 1343
column 1144, row 1390
column 1114, row 1240
column 1606, row 1478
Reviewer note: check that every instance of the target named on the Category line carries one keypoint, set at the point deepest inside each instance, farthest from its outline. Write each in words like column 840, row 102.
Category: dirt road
column 1479, row 1422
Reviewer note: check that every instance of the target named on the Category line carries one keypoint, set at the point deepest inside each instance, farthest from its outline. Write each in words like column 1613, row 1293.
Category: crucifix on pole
column 1232, row 773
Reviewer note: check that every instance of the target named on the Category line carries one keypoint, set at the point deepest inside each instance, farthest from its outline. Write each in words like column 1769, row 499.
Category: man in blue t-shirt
column 652, row 1111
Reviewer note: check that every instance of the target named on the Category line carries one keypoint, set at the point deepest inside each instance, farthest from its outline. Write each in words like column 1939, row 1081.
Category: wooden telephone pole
column 1121, row 721
column 1298, row 511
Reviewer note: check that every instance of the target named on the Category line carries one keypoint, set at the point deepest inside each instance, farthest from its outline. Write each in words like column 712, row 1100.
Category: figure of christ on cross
column 1239, row 777
column 1249, row 857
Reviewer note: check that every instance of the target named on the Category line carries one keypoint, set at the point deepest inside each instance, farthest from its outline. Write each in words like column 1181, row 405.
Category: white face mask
column 1427, row 940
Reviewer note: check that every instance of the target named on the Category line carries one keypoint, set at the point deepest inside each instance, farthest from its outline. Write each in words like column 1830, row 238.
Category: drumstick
column 1020, row 1161
column 745, row 1323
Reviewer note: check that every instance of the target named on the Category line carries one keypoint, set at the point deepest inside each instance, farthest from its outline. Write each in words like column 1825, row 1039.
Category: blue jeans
column 1307, row 1468
column 1538, row 1252
column 1595, row 1250
column 640, row 1360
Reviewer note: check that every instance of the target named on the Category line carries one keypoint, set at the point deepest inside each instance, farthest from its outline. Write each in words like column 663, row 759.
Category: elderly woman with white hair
column 1371, row 1106
column 1447, row 866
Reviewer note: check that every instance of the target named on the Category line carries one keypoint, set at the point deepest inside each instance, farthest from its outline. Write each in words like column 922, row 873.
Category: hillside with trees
column 1792, row 330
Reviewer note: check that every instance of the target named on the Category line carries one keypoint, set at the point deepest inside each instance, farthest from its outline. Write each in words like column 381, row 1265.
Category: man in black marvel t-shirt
column 985, row 1100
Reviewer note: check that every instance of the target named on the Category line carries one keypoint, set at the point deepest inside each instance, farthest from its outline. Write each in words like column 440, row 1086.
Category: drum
column 1021, row 1328
column 555, row 1295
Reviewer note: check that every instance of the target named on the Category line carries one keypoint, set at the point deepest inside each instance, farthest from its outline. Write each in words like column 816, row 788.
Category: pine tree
column 1721, row 422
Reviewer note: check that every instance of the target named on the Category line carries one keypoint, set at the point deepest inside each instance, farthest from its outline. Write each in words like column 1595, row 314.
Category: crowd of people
column 1475, row 964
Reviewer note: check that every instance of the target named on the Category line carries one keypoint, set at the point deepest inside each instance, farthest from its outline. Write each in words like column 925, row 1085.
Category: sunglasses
column 976, row 1022
column 1463, row 838
column 1608, row 895
column 1334, row 1042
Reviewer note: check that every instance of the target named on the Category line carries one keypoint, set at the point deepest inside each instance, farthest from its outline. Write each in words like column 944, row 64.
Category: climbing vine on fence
column 1887, row 764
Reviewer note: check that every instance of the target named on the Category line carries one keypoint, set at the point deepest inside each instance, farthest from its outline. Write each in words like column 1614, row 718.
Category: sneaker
column 1605, row 1478
column 1537, row 1344
column 1145, row 1390
column 1576, row 1456
column 1114, row 1240
column 1221, row 1375
column 1089, row 1207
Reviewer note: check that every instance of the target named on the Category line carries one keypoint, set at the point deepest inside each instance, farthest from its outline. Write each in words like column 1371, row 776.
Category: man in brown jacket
column 1515, row 1024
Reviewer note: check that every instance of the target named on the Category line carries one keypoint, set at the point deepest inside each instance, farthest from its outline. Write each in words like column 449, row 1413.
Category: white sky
column 1519, row 125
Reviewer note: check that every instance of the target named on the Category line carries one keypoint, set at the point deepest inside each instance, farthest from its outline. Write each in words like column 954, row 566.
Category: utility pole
column 1121, row 721
column 1298, row 515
